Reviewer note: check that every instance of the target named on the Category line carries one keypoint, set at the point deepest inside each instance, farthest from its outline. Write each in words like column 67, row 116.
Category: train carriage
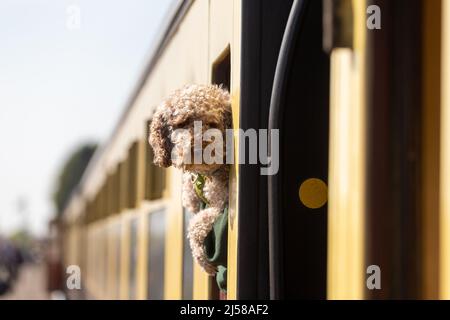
column 363, row 178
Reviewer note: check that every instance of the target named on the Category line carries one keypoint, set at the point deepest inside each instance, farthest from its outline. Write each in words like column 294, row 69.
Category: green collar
column 198, row 182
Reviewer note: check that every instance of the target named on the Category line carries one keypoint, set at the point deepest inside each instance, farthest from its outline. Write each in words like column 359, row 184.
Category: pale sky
column 61, row 86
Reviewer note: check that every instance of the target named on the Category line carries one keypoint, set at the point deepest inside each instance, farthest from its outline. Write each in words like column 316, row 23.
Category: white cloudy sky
column 61, row 87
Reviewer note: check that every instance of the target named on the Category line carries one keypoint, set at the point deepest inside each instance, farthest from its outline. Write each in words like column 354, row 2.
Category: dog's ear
column 159, row 139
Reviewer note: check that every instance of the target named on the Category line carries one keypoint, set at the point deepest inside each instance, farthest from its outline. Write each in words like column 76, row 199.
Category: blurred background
column 66, row 70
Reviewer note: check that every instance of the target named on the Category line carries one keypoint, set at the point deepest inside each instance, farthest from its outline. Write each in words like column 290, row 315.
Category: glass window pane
column 133, row 258
column 187, row 260
column 156, row 246
column 117, row 237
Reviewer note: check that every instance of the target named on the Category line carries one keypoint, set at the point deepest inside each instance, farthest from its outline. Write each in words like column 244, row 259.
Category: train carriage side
column 367, row 119
column 130, row 211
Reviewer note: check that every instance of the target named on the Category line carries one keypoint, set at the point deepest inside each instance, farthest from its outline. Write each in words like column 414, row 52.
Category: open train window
column 221, row 71
column 102, row 202
column 156, row 247
column 94, row 208
column 110, row 195
column 89, row 212
column 155, row 180
column 123, row 186
column 188, row 264
column 132, row 174
column 116, row 191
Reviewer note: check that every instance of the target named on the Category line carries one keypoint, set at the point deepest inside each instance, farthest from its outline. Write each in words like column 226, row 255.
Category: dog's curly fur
column 211, row 105
column 207, row 103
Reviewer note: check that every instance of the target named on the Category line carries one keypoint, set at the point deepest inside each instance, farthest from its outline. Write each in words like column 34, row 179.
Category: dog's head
column 174, row 127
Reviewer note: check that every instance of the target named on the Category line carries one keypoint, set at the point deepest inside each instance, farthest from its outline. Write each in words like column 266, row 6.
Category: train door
column 262, row 27
column 297, row 194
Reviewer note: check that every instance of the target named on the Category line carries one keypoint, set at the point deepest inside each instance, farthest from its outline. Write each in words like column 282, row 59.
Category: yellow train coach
column 358, row 206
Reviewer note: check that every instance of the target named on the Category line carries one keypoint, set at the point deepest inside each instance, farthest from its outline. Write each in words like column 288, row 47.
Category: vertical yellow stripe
column 173, row 263
column 235, row 49
column 201, row 284
column 445, row 158
column 347, row 166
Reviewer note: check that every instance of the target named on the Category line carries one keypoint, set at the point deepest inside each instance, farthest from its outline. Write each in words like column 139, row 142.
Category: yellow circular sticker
column 313, row 193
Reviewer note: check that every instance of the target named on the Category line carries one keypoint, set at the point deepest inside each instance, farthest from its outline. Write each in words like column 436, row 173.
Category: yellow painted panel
column 430, row 142
column 202, row 284
column 220, row 27
column 173, row 264
column 235, row 49
column 346, row 166
column 225, row 31
column 445, row 158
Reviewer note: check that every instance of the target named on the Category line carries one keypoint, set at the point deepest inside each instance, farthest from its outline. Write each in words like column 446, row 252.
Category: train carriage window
column 123, row 187
column 96, row 261
column 105, row 269
column 154, row 175
column 117, row 244
column 96, row 207
column 156, row 247
column 116, row 191
column 133, row 257
column 132, row 174
column 109, row 195
column 188, row 266
column 221, row 72
column 101, row 202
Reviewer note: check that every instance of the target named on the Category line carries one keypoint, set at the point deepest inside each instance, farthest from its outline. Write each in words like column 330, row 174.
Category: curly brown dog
column 205, row 186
